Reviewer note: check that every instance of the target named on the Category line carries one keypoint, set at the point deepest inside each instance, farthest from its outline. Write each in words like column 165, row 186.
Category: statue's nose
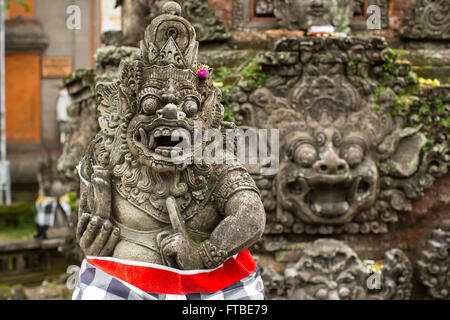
column 170, row 111
column 332, row 164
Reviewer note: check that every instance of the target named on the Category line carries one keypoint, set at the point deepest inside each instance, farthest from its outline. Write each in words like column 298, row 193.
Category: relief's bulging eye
column 305, row 155
column 150, row 105
column 190, row 108
column 353, row 154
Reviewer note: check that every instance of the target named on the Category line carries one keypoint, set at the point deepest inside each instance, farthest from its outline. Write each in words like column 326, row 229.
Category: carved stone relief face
column 352, row 155
column 327, row 175
column 317, row 12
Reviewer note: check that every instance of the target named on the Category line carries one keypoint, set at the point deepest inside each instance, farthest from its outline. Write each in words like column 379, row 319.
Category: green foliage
column 391, row 56
column 220, row 74
column 428, row 145
column 253, row 73
column 73, row 200
column 249, row 75
column 401, row 103
column 23, row 231
column 377, row 92
column 17, row 221
column 354, row 65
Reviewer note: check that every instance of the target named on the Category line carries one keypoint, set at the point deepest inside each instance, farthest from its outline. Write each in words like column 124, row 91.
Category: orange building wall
column 23, row 99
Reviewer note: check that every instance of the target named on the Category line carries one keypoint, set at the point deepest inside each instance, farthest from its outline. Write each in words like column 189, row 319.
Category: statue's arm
column 237, row 197
column 243, row 224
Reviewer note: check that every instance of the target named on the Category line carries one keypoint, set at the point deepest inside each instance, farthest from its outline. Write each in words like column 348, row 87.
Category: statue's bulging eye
column 305, row 155
column 353, row 154
column 190, row 108
column 150, row 105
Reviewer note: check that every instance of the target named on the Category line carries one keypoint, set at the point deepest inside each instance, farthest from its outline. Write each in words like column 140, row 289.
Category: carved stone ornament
column 302, row 14
column 138, row 13
column 353, row 151
column 434, row 261
column 137, row 201
column 330, row 270
column 428, row 19
column 82, row 125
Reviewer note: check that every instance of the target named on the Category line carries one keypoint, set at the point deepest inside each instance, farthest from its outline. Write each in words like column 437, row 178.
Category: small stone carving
column 264, row 7
column 330, row 270
column 138, row 14
column 302, row 14
column 396, row 279
column 137, row 202
column 434, row 261
column 428, row 19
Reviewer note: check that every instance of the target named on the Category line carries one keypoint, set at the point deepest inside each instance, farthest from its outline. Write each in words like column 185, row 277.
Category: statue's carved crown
column 170, row 40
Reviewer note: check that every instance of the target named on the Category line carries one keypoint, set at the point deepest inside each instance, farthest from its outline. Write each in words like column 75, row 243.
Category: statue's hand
column 177, row 249
column 95, row 233
column 180, row 252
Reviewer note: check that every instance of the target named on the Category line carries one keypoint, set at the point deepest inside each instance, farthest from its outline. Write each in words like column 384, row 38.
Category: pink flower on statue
column 202, row 73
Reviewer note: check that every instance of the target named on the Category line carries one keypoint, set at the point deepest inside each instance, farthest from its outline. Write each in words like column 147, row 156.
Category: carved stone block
column 429, row 19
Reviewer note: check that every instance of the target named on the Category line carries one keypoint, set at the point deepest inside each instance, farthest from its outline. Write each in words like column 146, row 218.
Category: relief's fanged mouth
column 330, row 199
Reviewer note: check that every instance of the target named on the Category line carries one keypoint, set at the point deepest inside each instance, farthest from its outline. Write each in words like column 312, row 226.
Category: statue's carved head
column 158, row 98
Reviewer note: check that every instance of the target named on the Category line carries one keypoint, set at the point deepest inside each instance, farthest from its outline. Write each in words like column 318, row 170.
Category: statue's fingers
column 84, row 202
column 101, row 237
column 175, row 219
column 101, row 190
column 169, row 252
column 170, row 239
column 82, row 224
column 90, row 232
column 111, row 243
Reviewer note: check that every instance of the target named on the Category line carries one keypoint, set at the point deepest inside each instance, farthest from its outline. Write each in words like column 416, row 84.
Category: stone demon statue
column 145, row 209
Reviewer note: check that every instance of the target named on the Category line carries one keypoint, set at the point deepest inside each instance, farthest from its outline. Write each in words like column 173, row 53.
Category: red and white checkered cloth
column 102, row 278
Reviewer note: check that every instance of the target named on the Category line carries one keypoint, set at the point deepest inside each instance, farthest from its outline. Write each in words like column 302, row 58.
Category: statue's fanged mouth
column 161, row 143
